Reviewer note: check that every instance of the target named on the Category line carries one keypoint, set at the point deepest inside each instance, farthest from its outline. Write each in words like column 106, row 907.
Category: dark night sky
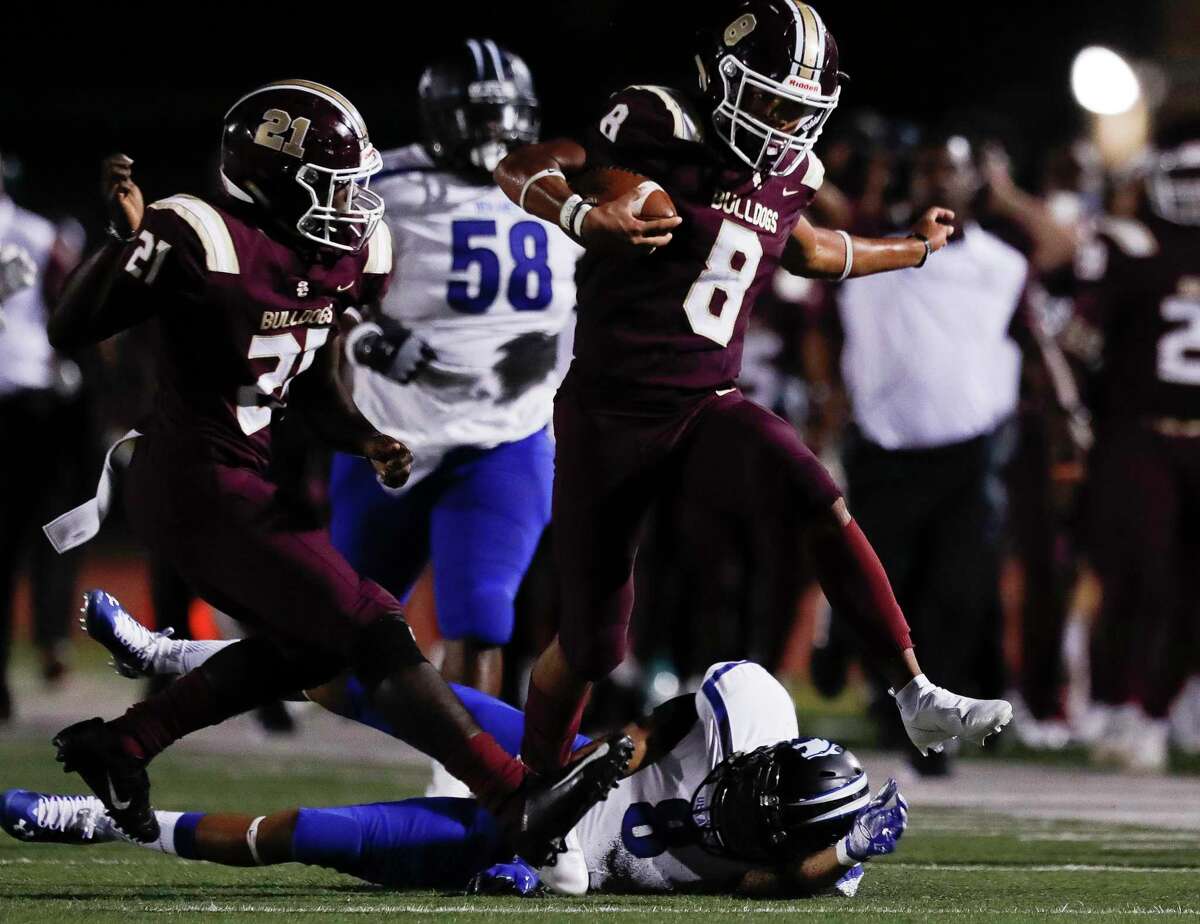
column 156, row 88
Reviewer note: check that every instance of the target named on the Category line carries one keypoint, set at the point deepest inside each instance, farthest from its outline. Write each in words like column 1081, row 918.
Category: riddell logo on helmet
column 792, row 82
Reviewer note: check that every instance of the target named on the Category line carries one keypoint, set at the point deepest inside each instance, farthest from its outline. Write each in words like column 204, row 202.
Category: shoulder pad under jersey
column 220, row 256
column 379, row 251
column 646, row 118
column 814, row 172
column 686, row 125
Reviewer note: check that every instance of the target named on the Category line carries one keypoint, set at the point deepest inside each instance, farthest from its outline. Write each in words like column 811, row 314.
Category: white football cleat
column 51, row 819
column 136, row 650
column 1147, row 749
column 933, row 715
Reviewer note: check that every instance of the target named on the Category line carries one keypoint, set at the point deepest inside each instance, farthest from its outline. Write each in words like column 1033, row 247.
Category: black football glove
column 394, row 351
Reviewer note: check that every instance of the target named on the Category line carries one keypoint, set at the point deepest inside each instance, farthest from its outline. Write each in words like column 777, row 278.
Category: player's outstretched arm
column 87, row 311
column 875, row 833
column 819, row 253
column 321, row 397
column 536, row 177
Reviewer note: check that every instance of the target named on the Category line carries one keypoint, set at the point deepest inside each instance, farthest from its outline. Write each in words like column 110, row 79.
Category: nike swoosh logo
column 117, row 803
column 792, row 192
column 345, row 287
column 578, row 768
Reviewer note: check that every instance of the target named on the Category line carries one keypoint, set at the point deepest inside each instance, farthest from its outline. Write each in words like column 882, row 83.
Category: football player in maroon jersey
column 1137, row 325
column 650, row 398
column 248, row 292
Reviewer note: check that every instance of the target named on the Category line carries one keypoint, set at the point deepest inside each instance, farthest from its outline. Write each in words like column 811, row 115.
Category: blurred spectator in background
column 1137, row 329
column 40, row 406
column 932, row 375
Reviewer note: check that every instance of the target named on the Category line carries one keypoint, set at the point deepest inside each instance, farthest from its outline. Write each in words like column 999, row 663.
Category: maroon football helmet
column 770, row 68
column 299, row 151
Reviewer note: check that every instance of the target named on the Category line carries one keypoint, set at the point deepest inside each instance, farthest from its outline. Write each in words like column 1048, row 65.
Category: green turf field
column 952, row 863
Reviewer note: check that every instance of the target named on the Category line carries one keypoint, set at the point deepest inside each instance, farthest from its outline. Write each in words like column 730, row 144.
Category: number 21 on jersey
column 715, row 298
column 291, row 358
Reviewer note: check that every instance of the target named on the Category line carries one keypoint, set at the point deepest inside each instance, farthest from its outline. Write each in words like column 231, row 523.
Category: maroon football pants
column 235, row 537
column 612, row 461
column 1144, row 502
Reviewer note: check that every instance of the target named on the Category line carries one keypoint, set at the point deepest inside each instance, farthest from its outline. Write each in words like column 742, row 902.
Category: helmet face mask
column 1173, row 184
column 343, row 210
column 772, row 77
column 477, row 105
column 770, row 125
column 778, row 801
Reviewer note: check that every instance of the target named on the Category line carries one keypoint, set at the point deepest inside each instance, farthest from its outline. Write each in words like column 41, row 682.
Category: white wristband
column 849, row 255
column 540, row 175
column 566, row 215
column 842, row 856
column 577, row 222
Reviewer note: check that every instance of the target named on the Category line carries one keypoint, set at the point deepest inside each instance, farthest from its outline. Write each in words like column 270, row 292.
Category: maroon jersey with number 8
column 676, row 318
column 241, row 314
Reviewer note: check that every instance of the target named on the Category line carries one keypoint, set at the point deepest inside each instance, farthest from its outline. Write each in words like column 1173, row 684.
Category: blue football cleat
column 50, row 819
column 136, row 650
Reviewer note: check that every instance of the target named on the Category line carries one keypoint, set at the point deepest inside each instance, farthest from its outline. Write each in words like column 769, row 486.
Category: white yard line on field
column 821, row 909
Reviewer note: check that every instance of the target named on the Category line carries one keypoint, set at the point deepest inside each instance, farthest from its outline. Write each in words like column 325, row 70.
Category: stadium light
column 1103, row 82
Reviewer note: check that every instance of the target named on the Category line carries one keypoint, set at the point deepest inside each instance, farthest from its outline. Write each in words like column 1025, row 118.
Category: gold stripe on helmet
column 810, row 58
column 318, row 89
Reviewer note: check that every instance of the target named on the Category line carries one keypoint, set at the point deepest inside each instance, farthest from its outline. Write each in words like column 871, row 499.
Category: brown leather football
column 603, row 184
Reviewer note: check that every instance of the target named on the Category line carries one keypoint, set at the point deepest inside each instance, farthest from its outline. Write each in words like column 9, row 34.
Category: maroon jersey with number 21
column 676, row 318
column 241, row 314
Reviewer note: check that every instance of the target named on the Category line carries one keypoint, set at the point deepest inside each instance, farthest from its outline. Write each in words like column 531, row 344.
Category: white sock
column 185, row 655
column 166, row 833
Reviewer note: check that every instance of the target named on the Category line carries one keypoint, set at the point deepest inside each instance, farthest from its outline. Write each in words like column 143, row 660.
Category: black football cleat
column 90, row 749
column 553, row 805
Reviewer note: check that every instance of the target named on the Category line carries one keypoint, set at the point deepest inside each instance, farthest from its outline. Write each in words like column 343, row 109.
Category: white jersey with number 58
column 490, row 289
column 640, row 837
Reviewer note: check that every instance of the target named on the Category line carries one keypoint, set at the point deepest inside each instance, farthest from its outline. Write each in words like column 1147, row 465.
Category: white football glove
column 877, row 828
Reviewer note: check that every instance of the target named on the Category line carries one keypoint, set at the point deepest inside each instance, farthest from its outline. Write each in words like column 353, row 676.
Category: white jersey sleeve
column 742, row 707
column 26, row 359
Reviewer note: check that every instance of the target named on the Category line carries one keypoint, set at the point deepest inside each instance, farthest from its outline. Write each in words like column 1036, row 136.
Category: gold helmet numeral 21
column 275, row 123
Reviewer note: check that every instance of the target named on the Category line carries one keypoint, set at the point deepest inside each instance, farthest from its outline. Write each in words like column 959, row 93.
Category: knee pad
column 383, row 646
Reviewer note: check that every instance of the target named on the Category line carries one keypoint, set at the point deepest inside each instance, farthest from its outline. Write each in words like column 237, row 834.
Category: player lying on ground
column 721, row 794
column 248, row 290
column 651, row 401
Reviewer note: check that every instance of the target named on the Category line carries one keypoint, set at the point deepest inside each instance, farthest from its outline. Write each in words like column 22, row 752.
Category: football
column 603, row 184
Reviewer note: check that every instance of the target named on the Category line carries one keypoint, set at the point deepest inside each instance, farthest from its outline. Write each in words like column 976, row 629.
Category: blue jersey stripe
column 713, row 695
